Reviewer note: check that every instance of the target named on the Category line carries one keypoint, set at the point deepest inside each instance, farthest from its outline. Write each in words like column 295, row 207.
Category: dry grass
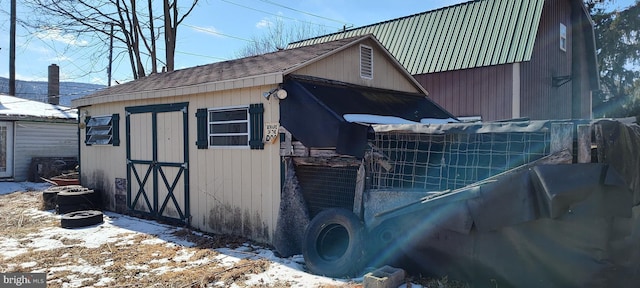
column 14, row 218
column 137, row 260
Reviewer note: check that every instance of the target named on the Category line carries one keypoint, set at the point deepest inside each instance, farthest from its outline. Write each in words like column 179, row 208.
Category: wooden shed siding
column 100, row 165
column 345, row 66
column 42, row 139
column 234, row 191
column 539, row 99
column 485, row 91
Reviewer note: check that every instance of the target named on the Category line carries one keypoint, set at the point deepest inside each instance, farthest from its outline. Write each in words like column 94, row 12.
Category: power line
column 216, row 32
column 277, row 15
column 199, row 55
column 304, row 12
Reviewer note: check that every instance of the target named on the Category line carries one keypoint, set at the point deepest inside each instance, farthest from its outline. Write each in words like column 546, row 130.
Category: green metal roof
column 472, row 34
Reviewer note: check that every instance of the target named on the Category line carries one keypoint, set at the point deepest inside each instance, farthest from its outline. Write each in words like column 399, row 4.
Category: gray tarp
column 575, row 225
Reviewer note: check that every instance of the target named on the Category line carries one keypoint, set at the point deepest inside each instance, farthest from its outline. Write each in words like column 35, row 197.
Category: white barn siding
column 42, row 139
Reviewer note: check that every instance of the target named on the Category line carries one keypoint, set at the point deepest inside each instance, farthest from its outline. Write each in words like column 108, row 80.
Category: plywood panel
column 170, row 144
column 170, row 137
column 140, row 137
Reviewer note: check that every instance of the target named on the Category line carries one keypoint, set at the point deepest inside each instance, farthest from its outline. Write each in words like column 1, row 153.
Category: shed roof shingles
column 264, row 64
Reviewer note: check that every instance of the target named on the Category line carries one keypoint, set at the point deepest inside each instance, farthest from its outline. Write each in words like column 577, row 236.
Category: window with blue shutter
column 201, row 125
column 230, row 127
column 102, row 130
column 256, row 114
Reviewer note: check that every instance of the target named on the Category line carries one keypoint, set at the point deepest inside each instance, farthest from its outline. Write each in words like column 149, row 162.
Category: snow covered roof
column 15, row 107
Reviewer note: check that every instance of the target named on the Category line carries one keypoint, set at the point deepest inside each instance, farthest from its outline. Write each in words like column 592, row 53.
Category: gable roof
column 233, row 73
column 468, row 35
column 15, row 108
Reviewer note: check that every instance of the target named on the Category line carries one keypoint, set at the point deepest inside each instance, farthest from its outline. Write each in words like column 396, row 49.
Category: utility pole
column 12, row 51
column 110, row 57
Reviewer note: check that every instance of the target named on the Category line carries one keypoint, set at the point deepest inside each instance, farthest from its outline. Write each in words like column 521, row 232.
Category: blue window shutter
column 256, row 116
column 115, row 129
column 201, row 127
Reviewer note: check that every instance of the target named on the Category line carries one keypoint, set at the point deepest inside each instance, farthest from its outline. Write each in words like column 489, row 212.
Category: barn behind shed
column 496, row 59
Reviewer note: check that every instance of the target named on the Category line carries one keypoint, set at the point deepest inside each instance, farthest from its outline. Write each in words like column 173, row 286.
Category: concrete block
column 384, row 277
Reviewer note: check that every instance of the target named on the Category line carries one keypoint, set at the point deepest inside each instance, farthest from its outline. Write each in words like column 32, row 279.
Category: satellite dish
column 281, row 94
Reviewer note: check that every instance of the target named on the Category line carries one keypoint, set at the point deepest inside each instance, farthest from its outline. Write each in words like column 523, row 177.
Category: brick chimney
column 53, row 95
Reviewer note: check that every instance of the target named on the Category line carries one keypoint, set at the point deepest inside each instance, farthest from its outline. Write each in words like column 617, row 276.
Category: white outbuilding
column 201, row 145
column 34, row 130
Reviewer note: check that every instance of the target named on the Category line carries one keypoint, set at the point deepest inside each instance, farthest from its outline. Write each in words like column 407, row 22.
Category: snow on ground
column 10, row 187
column 119, row 229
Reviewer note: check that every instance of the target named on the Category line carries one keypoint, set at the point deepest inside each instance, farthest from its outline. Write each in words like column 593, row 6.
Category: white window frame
column 369, row 66
column 106, row 134
column 224, row 109
column 563, row 38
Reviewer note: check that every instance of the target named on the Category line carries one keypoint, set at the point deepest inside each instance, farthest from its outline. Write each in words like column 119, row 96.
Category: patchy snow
column 437, row 121
column 119, row 230
column 380, row 119
column 11, row 247
column 10, row 187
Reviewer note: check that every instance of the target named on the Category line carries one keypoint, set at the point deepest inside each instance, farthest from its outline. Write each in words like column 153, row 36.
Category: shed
column 498, row 59
column 200, row 145
column 31, row 129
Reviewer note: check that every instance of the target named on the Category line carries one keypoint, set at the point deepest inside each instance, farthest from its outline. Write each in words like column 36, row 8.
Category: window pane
column 228, row 128
column 217, row 116
column 100, row 139
column 228, row 141
column 98, row 130
column 101, row 130
column 99, row 121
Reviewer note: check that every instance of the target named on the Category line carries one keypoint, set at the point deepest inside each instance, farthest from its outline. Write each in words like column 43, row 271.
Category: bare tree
column 135, row 26
column 278, row 36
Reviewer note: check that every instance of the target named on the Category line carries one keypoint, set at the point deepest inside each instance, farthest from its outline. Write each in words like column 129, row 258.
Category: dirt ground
column 124, row 257
column 132, row 262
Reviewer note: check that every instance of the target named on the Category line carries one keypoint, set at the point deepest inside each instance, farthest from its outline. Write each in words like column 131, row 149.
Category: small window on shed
column 229, row 127
column 366, row 62
column 102, row 130
column 563, row 37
